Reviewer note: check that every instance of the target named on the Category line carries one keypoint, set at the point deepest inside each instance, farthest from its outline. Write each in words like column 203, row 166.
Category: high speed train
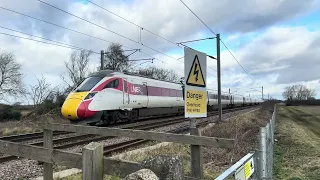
column 109, row 96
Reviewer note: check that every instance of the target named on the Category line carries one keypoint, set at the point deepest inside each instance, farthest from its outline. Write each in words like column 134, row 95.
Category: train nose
column 72, row 108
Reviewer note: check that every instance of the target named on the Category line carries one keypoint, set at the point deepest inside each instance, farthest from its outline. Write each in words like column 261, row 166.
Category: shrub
column 7, row 113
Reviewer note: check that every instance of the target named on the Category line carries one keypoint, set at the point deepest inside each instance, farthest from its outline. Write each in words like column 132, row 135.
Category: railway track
column 117, row 147
column 109, row 149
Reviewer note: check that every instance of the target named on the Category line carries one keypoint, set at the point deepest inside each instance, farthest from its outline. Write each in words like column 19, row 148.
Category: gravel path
column 26, row 169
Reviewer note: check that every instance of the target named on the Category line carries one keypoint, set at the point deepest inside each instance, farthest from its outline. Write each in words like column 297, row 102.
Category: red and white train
column 108, row 96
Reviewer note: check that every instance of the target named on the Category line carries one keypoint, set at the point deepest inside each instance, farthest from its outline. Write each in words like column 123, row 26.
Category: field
column 297, row 145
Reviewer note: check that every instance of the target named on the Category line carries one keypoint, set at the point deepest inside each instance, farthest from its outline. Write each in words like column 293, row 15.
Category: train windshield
column 88, row 84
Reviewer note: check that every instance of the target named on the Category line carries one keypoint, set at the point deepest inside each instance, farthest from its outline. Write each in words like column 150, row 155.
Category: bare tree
column 159, row 73
column 41, row 91
column 298, row 92
column 77, row 67
column 10, row 76
column 116, row 59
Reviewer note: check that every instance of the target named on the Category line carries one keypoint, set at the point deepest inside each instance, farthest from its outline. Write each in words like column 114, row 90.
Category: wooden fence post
column 196, row 153
column 92, row 161
column 47, row 143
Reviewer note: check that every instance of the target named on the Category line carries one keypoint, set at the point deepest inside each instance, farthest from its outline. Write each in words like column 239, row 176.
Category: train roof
column 108, row 72
column 103, row 73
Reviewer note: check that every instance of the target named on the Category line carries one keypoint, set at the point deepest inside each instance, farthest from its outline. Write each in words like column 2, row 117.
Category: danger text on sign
column 196, row 102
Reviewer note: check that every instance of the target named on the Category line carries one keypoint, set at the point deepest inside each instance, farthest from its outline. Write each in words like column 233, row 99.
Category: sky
column 276, row 42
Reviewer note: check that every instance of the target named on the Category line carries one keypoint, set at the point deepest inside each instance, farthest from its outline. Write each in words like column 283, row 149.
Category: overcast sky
column 277, row 42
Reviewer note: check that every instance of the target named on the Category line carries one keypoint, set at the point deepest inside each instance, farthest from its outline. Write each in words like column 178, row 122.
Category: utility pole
column 102, row 60
column 219, row 78
column 268, row 96
column 262, row 92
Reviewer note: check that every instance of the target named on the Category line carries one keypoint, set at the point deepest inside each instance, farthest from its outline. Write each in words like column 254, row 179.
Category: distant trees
column 10, row 76
column 77, row 68
column 40, row 92
column 115, row 59
column 159, row 73
column 298, row 92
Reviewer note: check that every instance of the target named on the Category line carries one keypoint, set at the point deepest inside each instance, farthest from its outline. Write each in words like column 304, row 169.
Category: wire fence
column 256, row 165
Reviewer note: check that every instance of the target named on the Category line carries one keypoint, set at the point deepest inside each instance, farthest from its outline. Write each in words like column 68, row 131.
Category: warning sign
column 248, row 168
column 245, row 171
column 195, row 69
column 195, row 77
column 196, row 102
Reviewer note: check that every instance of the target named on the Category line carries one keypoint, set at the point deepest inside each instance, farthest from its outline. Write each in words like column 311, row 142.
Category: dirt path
column 297, row 146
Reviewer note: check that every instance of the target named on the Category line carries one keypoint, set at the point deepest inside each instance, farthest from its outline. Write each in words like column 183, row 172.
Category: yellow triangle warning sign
column 195, row 77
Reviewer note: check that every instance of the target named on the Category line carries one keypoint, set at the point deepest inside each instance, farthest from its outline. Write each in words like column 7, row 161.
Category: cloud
column 271, row 52
column 290, row 52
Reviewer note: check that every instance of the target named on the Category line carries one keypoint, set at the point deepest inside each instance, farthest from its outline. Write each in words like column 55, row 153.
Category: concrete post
column 92, row 161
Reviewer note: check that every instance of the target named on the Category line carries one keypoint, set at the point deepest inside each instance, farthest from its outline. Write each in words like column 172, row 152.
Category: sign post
column 195, row 69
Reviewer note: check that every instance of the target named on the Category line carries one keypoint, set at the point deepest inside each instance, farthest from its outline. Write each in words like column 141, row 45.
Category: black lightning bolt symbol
column 195, row 72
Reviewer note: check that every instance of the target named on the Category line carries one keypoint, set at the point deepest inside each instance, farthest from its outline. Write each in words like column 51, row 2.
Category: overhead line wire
column 65, row 46
column 72, row 30
column 198, row 17
column 220, row 39
column 108, row 30
column 131, row 22
column 55, row 7
column 57, row 25
column 47, row 22
column 141, row 28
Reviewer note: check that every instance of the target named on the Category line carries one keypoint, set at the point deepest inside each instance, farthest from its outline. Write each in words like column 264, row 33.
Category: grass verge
column 297, row 146
column 243, row 128
column 17, row 130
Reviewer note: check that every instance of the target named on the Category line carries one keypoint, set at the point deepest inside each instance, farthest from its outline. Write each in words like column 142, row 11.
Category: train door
column 145, row 89
column 126, row 98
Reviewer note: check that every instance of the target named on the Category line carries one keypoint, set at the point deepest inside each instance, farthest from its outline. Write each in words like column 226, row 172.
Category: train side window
column 113, row 84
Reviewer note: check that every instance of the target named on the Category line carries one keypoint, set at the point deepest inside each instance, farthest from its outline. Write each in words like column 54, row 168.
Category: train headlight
column 90, row 95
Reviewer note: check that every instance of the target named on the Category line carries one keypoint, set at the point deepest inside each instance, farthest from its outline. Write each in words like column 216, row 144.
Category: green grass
column 297, row 149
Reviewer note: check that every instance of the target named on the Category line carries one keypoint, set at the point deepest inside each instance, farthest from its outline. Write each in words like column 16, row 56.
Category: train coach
column 109, row 96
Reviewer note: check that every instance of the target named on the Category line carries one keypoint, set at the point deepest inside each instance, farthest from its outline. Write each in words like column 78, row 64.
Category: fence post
column 92, row 161
column 272, row 129
column 47, row 143
column 271, row 150
column 263, row 155
column 195, row 153
column 255, row 175
column 268, row 150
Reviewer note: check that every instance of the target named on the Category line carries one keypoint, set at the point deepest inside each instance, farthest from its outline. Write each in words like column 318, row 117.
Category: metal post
column 263, row 155
column 102, row 60
column 196, row 154
column 219, row 77
column 262, row 92
column 268, row 96
column 268, row 151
